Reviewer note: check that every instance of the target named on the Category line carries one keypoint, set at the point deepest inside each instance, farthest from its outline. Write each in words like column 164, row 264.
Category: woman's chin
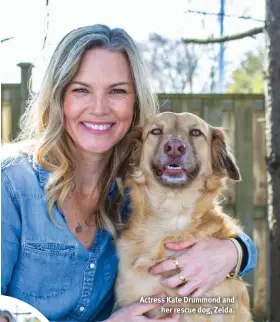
column 97, row 148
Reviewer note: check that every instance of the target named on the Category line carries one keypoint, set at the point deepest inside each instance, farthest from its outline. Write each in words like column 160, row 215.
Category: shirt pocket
column 46, row 269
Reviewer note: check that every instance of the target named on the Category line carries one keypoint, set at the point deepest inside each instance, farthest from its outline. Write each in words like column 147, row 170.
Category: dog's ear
column 130, row 150
column 223, row 161
column 136, row 146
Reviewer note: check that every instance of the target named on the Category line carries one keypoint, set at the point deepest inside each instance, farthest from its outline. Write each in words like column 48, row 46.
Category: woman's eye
column 156, row 131
column 195, row 132
column 80, row 90
column 118, row 91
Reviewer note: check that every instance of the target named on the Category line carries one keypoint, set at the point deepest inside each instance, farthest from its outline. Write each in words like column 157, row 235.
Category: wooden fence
column 13, row 102
column 242, row 116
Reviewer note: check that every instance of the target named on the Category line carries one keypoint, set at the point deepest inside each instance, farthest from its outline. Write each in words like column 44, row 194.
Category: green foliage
column 249, row 77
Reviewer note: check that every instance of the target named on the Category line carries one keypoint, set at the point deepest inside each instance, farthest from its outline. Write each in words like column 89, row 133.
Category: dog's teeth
column 174, row 167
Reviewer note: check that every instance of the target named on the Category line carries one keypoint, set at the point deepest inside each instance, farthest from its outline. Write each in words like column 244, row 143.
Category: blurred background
column 221, row 81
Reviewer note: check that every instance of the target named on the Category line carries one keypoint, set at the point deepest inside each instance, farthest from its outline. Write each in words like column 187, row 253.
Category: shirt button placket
column 86, row 304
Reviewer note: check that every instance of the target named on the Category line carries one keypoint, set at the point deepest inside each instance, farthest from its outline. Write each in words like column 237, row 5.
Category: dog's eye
column 195, row 132
column 156, row 131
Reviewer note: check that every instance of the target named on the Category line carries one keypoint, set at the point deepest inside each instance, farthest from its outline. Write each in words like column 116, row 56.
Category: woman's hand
column 204, row 264
column 134, row 313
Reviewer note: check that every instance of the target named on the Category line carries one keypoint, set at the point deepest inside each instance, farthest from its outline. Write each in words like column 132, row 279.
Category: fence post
column 244, row 203
column 26, row 69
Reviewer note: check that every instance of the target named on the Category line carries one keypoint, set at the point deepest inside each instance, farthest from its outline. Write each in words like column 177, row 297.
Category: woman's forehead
column 100, row 62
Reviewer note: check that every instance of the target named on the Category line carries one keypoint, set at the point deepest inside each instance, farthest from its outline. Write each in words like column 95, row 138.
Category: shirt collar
column 43, row 174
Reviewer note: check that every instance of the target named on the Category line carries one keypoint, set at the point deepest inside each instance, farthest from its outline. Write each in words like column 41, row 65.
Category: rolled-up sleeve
column 250, row 253
column 10, row 232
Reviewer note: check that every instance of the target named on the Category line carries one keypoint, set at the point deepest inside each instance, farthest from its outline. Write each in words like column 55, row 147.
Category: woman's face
column 99, row 101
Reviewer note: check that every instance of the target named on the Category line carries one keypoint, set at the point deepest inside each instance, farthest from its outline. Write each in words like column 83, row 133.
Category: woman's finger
column 140, row 308
column 199, row 292
column 188, row 288
column 167, row 265
column 174, row 280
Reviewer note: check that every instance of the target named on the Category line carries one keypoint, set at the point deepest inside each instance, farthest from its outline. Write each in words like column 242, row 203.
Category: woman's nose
column 99, row 105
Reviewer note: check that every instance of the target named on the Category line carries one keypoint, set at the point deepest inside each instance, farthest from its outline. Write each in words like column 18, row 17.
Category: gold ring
column 182, row 279
column 176, row 262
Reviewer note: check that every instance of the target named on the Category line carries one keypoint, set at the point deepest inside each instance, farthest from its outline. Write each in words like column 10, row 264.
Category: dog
column 178, row 168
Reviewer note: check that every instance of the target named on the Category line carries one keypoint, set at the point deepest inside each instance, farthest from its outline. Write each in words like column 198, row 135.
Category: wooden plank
column 244, row 157
column 212, row 112
column 228, row 126
column 259, row 150
column 6, row 114
column 259, row 303
column 165, row 104
column 185, row 105
column 176, row 106
column 9, row 86
column 257, row 99
column 196, row 107
column 260, row 212
column 16, row 111
column 6, row 122
column 260, row 276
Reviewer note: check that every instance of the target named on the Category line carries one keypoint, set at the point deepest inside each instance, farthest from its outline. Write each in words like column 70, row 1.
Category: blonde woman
column 61, row 200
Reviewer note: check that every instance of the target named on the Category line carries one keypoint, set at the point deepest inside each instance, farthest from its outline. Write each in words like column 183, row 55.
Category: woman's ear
column 223, row 161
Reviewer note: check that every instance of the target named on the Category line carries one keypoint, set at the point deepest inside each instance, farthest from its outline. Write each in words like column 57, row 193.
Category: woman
column 61, row 196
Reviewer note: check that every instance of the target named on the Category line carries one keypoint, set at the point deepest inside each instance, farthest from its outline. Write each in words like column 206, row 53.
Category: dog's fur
column 164, row 209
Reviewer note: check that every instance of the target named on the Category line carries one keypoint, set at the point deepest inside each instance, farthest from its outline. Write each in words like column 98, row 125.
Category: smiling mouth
column 174, row 174
column 172, row 170
column 98, row 127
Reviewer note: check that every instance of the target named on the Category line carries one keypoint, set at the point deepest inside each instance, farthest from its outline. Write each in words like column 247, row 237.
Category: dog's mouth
column 174, row 174
column 173, row 169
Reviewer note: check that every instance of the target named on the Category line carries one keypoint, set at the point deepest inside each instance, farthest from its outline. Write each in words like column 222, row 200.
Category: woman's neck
column 88, row 170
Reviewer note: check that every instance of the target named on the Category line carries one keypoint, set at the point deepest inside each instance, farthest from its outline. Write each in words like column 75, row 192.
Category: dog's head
column 178, row 148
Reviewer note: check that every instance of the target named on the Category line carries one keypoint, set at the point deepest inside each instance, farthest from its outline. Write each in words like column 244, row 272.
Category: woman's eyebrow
column 80, row 83
column 119, row 84
column 111, row 85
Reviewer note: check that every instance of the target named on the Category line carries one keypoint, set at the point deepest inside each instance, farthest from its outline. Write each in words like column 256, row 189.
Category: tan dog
column 174, row 188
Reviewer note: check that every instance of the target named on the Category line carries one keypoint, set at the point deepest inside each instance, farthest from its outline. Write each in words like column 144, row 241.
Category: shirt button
column 92, row 265
column 82, row 308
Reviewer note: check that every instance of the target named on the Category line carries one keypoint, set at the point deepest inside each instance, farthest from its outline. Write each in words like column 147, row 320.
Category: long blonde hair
column 43, row 121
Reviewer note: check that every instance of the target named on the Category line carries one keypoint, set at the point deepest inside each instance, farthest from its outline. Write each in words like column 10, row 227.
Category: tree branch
column 248, row 33
column 6, row 39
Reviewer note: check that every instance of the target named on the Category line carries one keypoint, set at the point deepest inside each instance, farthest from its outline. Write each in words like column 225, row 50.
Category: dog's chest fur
column 172, row 211
column 158, row 215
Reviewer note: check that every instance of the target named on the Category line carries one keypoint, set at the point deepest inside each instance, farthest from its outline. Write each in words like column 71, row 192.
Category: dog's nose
column 174, row 147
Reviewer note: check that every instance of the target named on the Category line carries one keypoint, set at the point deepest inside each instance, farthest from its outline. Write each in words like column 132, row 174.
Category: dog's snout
column 174, row 147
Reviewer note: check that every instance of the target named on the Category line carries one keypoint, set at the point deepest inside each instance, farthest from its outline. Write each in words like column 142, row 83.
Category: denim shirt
column 44, row 265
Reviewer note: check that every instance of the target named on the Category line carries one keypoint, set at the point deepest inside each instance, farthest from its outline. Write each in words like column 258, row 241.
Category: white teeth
column 174, row 167
column 101, row 127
